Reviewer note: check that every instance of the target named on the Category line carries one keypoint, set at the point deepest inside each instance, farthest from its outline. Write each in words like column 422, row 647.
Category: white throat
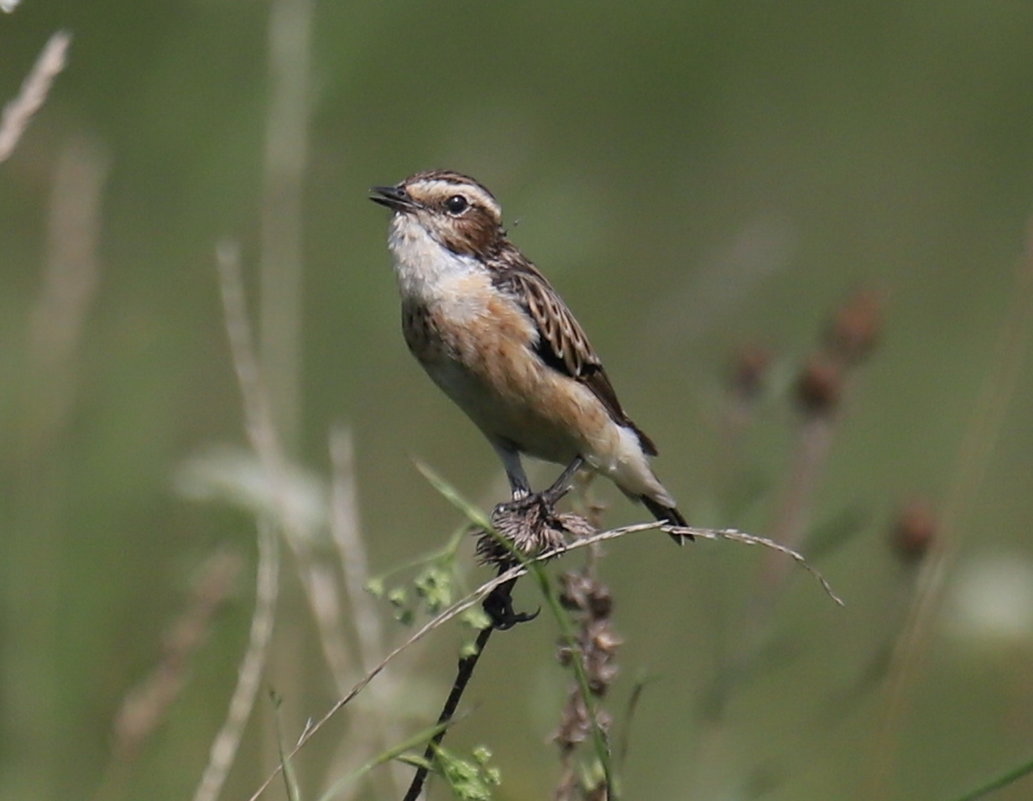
column 426, row 270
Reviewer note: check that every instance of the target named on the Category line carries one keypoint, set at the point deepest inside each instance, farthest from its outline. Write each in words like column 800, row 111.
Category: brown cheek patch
column 475, row 231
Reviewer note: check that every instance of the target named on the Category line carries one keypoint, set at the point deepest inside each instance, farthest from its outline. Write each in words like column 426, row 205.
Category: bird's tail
column 667, row 514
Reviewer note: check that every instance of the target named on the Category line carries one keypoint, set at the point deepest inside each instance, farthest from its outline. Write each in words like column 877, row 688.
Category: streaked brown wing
column 562, row 342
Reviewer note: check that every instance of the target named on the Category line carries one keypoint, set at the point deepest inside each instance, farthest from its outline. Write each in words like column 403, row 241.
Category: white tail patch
column 627, row 465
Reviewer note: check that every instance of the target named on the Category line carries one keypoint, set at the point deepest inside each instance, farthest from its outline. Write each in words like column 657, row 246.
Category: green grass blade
column 417, row 740
column 1001, row 781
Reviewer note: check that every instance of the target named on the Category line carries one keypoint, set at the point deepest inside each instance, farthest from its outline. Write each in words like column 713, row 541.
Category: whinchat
column 492, row 333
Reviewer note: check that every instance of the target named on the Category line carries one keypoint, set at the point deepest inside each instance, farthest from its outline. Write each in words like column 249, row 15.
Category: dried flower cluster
column 528, row 526
column 748, row 371
column 914, row 530
column 851, row 336
column 590, row 603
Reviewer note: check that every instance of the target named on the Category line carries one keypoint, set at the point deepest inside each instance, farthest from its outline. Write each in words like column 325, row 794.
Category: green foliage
column 290, row 777
column 434, row 586
column 476, row 619
column 470, row 779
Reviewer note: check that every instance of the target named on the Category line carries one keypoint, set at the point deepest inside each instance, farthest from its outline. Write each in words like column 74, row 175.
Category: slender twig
column 475, row 597
column 463, row 675
column 18, row 113
column 434, row 623
column 258, row 418
column 47, row 391
column 320, row 584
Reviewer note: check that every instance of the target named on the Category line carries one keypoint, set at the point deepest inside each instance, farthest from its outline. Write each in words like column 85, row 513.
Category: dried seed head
column 531, row 526
column 590, row 603
column 585, row 594
column 819, row 386
column 856, row 327
column 748, row 371
column 914, row 530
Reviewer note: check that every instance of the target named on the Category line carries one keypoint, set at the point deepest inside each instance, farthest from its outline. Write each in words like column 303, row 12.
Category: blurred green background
column 693, row 177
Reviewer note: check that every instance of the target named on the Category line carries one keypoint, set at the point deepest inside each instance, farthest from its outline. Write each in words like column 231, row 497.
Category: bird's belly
column 524, row 420
column 487, row 365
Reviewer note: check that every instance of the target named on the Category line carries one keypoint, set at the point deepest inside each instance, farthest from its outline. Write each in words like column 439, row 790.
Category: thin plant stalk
column 285, row 161
column 475, row 597
column 981, row 438
column 18, row 113
column 226, row 743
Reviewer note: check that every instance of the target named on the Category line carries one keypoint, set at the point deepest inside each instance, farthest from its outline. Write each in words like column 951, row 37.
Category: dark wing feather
column 562, row 343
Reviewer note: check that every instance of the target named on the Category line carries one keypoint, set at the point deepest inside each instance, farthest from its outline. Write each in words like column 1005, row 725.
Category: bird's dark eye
column 457, row 204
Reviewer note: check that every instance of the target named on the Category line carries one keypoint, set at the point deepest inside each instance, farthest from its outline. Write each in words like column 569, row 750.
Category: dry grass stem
column 146, row 705
column 475, row 597
column 346, row 533
column 258, row 425
column 227, row 741
column 285, row 160
column 317, row 580
column 286, row 157
column 73, row 238
column 981, row 438
column 18, row 113
column 258, row 420
column 808, row 461
column 320, row 584
column 71, row 276
column 351, row 550
column 822, row 384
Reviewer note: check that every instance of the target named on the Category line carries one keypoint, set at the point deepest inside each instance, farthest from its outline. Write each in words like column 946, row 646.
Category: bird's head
column 453, row 209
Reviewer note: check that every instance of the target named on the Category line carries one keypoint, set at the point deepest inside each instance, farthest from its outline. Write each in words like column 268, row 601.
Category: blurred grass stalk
column 981, row 438
column 280, row 337
column 278, row 513
column 70, row 279
column 147, row 705
column 262, row 435
column 285, row 161
column 270, row 385
column 370, row 638
column 18, row 113
column 56, row 323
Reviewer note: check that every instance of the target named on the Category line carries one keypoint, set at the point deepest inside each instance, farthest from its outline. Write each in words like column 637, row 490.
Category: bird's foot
column 499, row 607
column 529, row 525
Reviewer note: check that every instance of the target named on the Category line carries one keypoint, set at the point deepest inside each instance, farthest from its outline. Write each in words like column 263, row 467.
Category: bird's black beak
column 395, row 198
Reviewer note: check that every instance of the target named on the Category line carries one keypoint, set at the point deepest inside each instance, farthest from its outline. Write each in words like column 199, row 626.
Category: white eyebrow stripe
column 477, row 194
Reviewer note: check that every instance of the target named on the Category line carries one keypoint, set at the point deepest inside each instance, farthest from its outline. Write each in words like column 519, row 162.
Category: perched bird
column 491, row 331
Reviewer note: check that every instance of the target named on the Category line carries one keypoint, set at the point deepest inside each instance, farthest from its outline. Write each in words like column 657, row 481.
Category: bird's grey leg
column 518, row 483
column 561, row 486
